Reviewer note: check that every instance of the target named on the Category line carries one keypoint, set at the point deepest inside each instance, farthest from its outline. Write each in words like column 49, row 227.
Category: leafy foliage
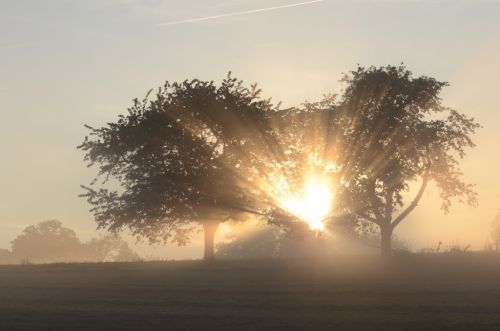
column 46, row 242
column 395, row 132
column 179, row 158
column 386, row 131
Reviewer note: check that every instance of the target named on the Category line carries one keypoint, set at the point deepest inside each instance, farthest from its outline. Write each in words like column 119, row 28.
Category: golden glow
column 314, row 205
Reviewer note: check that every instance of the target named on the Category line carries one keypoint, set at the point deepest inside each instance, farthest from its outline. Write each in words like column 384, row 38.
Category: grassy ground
column 413, row 293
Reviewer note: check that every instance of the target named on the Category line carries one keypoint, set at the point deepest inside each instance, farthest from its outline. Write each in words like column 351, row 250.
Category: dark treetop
column 185, row 156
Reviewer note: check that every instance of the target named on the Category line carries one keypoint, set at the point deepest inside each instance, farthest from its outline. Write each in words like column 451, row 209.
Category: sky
column 66, row 63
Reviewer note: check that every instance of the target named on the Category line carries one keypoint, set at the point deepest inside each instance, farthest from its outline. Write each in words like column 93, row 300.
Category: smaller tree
column 108, row 248
column 46, row 242
column 495, row 232
column 50, row 242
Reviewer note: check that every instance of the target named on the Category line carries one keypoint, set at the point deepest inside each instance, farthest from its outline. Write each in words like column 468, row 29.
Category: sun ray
column 313, row 205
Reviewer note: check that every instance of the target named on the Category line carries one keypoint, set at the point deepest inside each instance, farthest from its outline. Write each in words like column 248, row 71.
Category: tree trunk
column 209, row 229
column 386, row 240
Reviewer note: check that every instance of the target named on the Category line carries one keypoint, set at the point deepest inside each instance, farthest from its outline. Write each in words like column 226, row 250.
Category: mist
column 249, row 165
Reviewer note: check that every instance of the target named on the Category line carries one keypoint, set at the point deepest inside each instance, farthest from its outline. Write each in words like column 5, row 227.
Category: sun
column 313, row 205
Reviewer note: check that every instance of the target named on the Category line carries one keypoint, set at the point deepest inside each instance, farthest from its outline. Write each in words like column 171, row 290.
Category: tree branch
column 368, row 218
column 413, row 204
column 375, row 203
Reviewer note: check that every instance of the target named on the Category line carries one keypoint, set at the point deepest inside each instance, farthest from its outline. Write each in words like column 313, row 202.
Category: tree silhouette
column 202, row 153
column 394, row 132
column 186, row 156
column 46, row 242
column 50, row 241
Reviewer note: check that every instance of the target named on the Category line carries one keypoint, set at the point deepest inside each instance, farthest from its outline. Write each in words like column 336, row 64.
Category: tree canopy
column 396, row 132
column 180, row 158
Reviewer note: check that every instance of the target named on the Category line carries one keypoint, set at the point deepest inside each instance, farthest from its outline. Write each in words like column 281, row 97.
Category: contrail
column 252, row 11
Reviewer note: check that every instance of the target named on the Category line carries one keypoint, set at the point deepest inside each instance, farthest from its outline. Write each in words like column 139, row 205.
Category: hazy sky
column 69, row 62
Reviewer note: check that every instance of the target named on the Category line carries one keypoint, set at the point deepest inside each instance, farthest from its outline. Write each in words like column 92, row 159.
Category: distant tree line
column 51, row 242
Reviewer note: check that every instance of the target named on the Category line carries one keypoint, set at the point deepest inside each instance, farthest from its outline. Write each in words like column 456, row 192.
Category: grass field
column 411, row 293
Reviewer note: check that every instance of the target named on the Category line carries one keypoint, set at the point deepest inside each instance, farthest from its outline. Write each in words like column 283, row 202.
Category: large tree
column 181, row 158
column 396, row 135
